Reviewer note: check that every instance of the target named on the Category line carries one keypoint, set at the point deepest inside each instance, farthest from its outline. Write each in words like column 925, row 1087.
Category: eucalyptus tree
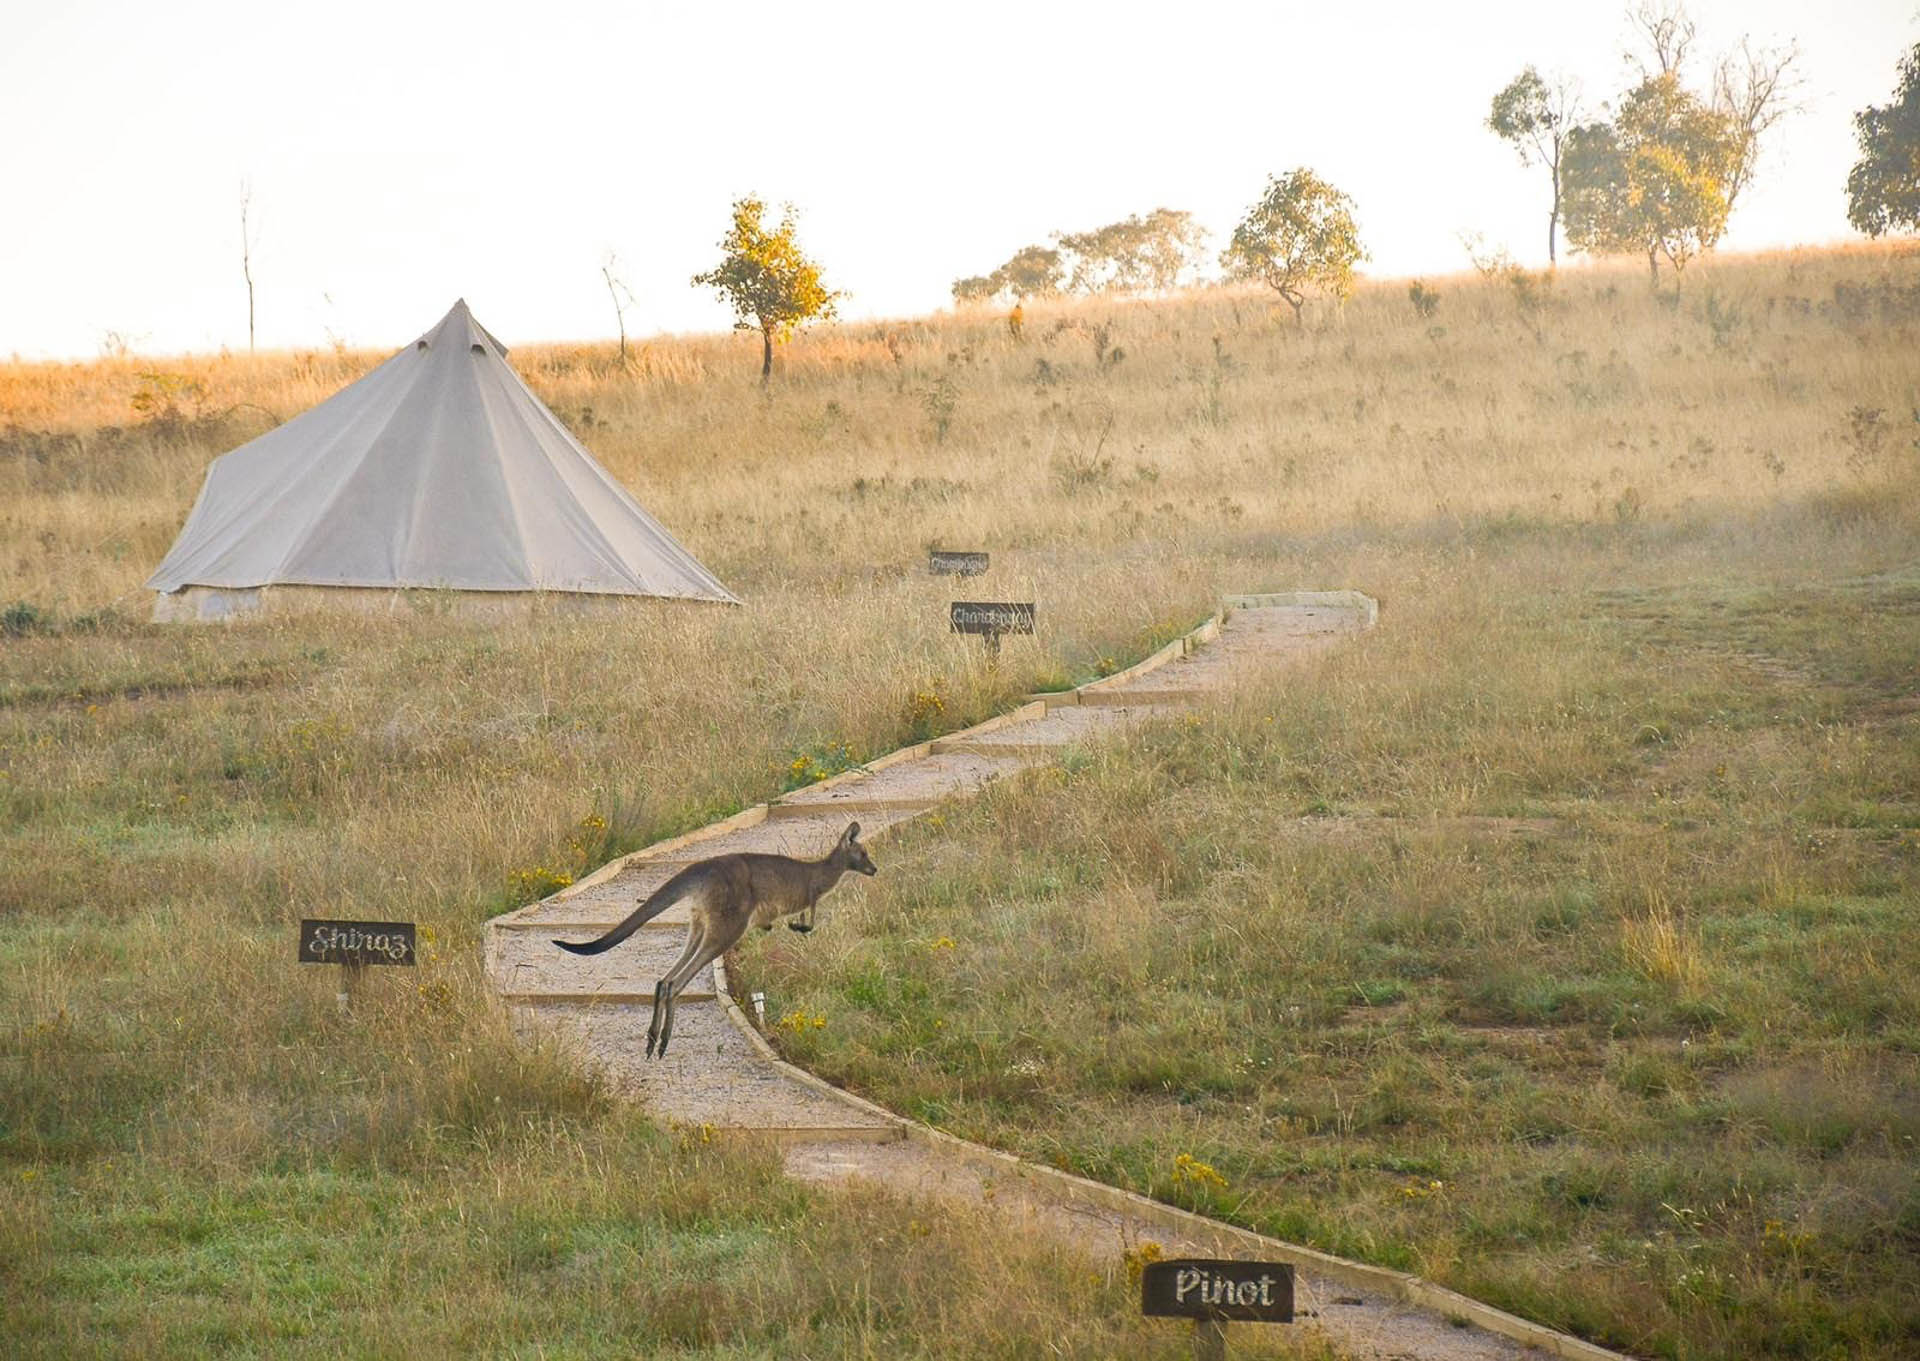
column 768, row 280
column 1150, row 250
column 1657, row 180
column 1536, row 115
column 1031, row 272
column 1883, row 188
column 1300, row 235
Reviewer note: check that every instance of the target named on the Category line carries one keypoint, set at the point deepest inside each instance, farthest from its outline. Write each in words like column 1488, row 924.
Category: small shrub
column 1529, row 297
column 23, row 617
column 940, row 401
column 172, row 405
column 924, row 712
column 1725, row 320
column 535, row 882
column 1865, row 436
column 1105, row 353
column 820, row 763
column 1083, row 472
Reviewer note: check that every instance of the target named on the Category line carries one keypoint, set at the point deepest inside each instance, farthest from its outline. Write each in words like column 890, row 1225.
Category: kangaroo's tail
column 668, row 894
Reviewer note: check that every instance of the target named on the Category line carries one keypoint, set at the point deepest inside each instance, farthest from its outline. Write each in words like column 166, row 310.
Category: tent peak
column 460, row 328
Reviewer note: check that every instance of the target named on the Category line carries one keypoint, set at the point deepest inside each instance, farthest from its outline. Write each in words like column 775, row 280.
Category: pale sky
column 405, row 154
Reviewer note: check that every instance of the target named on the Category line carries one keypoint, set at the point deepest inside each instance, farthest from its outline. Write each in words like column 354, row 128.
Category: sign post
column 990, row 619
column 1214, row 1293
column 949, row 562
column 353, row 946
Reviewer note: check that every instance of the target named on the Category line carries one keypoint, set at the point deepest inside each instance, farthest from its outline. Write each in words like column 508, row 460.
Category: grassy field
column 1555, row 942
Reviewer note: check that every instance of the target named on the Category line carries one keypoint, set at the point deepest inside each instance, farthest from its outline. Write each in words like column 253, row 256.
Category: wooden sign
column 992, row 617
column 356, row 943
column 943, row 562
column 1240, row 1292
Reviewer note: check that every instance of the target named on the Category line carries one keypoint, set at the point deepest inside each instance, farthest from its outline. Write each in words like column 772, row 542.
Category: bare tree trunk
column 1653, row 265
column 614, row 289
column 766, row 354
column 246, row 256
column 1553, row 221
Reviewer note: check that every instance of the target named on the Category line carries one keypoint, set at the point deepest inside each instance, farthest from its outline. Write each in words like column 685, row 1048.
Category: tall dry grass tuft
column 1662, row 947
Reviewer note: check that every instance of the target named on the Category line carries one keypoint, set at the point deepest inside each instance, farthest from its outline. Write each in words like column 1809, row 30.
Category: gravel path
column 723, row 1075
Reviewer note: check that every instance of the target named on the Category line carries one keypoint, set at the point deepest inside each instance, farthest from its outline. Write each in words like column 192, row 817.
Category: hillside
column 1650, row 584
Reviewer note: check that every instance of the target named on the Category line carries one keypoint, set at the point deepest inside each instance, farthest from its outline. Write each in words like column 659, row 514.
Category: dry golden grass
column 172, row 799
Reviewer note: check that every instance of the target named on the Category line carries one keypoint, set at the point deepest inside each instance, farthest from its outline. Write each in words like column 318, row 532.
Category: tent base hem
column 215, row 604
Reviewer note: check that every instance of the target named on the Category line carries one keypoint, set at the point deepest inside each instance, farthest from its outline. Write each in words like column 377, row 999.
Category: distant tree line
column 1157, row 250
column 1658, row 176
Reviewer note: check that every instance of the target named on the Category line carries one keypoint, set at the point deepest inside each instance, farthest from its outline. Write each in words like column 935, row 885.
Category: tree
column 1883, row 188
column 978, row 288
column 1596, row 207
column 772, row 286
column 1654, row 180
column 1031, row 272
column 246, row 253
column 1665, row 175
column 1755, row 88
column 1300, row 235
column 1136, row 253
column 1536, row 117
column 1668, row 30
column 622, row 298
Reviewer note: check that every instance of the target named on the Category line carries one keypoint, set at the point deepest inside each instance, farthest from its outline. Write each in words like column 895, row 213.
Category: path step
column 525, row 965
column 789, row 834
column 805, row 1136
column 533, row 999
column 575, row 928
column 850, row 803
column 983, row 746
column 1129, row 697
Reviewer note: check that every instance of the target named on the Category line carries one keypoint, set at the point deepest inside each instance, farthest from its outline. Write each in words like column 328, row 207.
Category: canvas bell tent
column 437, row 472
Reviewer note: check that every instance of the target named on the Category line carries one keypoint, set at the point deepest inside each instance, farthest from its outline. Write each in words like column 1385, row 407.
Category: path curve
column 722, row 1074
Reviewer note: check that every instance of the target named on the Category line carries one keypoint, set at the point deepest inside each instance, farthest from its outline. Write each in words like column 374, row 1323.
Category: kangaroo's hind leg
column 704, row 945
column 710, row 949
column 667, row 988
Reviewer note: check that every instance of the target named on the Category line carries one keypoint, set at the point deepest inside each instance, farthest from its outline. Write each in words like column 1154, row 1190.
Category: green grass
column 613, row 1241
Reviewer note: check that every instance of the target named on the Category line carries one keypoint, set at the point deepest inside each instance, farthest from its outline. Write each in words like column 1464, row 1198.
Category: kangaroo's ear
column 853, row 832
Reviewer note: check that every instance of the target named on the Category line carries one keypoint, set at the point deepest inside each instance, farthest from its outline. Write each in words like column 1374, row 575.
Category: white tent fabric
column 440, row 469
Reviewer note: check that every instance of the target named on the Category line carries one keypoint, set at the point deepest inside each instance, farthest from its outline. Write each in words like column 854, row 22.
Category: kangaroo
column 728, row 894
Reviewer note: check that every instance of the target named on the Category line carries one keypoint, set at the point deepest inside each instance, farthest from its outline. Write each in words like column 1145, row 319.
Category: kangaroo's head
column 856, row 854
